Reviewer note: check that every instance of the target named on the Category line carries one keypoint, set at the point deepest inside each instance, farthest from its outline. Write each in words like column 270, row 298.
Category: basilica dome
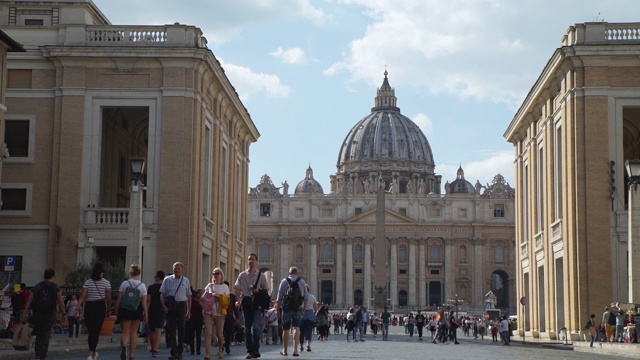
column 309, row 185
column 460, row 185
column 389, row 144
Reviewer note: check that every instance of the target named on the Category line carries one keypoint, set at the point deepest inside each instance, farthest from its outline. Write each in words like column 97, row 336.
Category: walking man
column 175, row 293
column 43, row 299
column 249, row 282
column 291, row 304
column 386, row 319
column 156, row 313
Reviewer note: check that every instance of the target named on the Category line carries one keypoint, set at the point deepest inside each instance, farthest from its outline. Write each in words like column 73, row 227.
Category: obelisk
column 381, row 281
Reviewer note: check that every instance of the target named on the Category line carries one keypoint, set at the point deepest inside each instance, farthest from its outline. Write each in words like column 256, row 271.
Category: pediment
column 390, row 217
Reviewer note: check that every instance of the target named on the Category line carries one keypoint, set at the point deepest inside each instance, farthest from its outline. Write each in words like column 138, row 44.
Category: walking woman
column 309, row 320
column 95, row 300
column 129, row 318
column 217, row 289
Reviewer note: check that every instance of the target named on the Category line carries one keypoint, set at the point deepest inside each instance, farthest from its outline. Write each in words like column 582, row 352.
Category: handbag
column 22, row 337
column 207, row 301
column 261, row 300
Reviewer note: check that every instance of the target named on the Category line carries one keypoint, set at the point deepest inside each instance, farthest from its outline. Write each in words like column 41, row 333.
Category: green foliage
column 114, row 272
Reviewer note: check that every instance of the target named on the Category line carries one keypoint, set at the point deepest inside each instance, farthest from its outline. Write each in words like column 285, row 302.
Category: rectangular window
column 17, row 137
column 403, row 271
column 435, row 272
column 326, row 212
column 18, row 79
column 34, row 22
column 225, row 187
column 462, row 213
column 557, row 176
column 540, row 190
column 265, row 209
column 403, row 211
column 16, row 199
column 434, row 212
column 299, row 213
column 498, row 211
column 358, row 270
column 326, row 271
column 207, row 175
column 358, row 211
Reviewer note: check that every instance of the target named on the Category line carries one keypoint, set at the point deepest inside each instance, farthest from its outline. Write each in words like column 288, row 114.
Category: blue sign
column 9, row 263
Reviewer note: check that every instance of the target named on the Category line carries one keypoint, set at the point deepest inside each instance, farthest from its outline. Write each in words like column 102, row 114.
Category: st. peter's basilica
column 440, row 246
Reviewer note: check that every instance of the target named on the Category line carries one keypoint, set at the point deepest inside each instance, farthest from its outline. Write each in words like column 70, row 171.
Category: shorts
column 124, row 314
column 291, row 319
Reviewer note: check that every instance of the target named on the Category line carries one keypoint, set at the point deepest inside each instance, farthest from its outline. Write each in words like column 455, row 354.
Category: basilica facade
column 441, row 247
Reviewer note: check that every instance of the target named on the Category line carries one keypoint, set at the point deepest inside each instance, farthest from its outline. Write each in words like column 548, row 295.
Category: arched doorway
column 326, row 291
column 500, row 288
column 357, row 297
column 402, row 298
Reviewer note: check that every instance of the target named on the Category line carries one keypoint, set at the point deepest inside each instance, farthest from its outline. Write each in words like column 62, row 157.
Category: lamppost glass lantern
column 137, row 167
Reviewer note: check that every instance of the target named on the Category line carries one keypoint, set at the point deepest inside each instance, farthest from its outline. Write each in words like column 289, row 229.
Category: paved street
column 399, row 346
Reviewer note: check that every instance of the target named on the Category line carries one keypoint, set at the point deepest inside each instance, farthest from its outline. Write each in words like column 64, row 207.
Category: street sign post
column 9, row 263
column 523, row 301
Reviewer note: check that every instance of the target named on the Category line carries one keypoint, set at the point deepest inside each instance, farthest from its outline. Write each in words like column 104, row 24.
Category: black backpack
column 44, row 299
column 293, row 296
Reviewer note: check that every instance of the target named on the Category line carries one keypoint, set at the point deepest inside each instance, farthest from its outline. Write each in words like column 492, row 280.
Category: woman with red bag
column 210, row 303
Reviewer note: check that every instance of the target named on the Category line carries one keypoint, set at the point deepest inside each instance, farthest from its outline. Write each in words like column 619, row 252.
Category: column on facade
column 449, row 269
column 284, row 257
column 393, row 268
column 313, row 266
column 477, row 297
column 339, row 272
column 422, row 276
column 349, row 271
column 367, row 271
column 412, row 272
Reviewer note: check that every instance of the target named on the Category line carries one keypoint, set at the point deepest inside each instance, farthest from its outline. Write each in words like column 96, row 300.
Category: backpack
column 612, row 318
column 131, row 297
column 44, row 300
column 293, row 296
column 225, row 299
column 588, row 325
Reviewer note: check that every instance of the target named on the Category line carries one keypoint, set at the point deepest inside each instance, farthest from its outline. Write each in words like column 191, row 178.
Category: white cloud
column 424, row 123
column 483, row 169
column 290, row 55
column 248, row 83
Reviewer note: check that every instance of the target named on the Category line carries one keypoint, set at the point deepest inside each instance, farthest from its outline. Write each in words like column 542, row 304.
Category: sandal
column 308, row 348
column 283, row 353
column 296, row 354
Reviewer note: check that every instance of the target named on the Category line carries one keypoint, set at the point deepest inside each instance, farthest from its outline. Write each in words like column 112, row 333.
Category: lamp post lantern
column 134, row 244
column 633, row 241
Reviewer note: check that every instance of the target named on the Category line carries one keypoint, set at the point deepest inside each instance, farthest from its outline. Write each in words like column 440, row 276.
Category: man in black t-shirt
column 419, row 324
column 156, row 313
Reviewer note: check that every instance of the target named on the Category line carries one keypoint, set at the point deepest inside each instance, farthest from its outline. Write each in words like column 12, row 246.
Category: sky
column 307, row 71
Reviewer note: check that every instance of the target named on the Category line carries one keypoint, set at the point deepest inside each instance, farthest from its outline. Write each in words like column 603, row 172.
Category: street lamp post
column 134, row 244
column 455, row 302
column 633, row 241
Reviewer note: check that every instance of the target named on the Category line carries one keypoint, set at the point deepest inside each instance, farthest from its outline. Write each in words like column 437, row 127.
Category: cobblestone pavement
column 399, row 346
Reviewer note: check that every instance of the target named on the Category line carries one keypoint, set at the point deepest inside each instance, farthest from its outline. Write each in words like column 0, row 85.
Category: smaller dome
column 309, row 185
column 459, row 185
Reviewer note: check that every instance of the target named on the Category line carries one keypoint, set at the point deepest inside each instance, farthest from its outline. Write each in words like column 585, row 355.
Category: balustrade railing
column 107, row 216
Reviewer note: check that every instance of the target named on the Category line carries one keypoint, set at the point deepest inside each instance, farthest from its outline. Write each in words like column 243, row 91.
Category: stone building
column 86, row 97
column 438, row 246
column 572, row 135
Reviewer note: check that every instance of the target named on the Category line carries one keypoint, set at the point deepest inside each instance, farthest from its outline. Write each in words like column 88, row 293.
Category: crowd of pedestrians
column 230, row 315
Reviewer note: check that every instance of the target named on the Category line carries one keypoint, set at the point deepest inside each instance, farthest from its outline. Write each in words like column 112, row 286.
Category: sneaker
column 249, row 356
column 220, row 354
column 123, row 352
column 207, row 357
column 154, row 354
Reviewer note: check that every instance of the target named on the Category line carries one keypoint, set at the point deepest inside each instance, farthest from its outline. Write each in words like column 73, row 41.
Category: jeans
column 42, row 325
column 252, row 328
column 306, row 329
column 385, row 331
column 74, row 322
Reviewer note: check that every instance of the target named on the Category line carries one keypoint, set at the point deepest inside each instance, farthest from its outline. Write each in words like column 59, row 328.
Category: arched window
column 462, row 254
column 265, row 252
column 299, row 254
column 402, row 298
column 402, row 254
column 434, row 253
column 327, row 252
column 357, row 298
column 358, row 254
column 498, row 253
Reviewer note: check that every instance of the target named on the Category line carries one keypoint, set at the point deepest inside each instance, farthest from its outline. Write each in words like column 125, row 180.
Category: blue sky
column 307, row 71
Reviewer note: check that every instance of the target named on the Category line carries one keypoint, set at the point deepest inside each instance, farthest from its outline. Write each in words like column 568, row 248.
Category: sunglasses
column 216, row 273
